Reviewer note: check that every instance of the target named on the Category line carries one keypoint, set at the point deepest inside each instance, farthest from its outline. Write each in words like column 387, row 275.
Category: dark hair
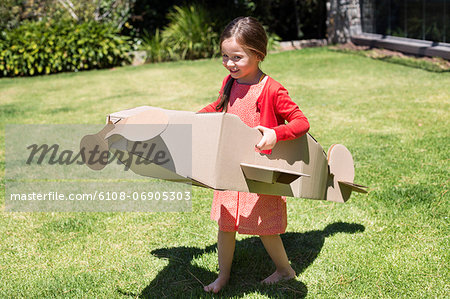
column 250, row 34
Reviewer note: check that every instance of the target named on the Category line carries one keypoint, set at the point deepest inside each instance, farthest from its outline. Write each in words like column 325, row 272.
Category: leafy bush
column 155, row 47
column 44, row 48
column 189, row 35
column 291, row 20
column 10, row 14
column 14, row 12
column 273, row 40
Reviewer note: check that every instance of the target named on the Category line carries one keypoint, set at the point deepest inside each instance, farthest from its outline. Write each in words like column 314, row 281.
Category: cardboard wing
column 217, row 150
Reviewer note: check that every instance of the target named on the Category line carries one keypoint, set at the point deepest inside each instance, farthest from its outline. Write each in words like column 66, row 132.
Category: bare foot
column 278, row 276
column 217, row 285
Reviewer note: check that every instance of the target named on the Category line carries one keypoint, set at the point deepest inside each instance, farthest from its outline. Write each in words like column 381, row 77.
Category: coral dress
column 248, row 213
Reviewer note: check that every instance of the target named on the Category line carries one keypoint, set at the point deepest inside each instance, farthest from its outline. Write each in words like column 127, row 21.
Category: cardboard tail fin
column 341, row 173
column 354, row 187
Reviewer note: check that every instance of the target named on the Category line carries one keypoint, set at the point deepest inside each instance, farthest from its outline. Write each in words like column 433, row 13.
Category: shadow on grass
column 182, row 277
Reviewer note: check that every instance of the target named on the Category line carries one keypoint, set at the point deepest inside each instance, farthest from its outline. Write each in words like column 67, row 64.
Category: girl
column 263, row 103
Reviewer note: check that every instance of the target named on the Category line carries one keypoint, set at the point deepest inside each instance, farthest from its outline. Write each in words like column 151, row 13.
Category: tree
column 13, row 12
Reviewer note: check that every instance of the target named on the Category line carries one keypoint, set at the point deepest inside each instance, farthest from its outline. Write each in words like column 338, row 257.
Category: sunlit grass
column 392, row 242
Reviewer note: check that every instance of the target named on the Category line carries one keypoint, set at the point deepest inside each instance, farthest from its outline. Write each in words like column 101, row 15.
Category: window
column 418, row 19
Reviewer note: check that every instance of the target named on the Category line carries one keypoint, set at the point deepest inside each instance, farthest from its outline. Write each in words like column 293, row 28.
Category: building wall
column 368, row 15
column 343, row 19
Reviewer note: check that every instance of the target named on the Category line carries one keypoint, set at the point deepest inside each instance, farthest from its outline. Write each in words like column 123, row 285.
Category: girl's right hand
column 268, row 140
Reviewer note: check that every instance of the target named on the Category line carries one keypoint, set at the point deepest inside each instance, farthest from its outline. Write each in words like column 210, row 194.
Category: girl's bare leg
column 225, row 246
column 275, row 248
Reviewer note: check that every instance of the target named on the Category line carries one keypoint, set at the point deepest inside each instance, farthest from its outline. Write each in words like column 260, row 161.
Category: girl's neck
column 253, row 79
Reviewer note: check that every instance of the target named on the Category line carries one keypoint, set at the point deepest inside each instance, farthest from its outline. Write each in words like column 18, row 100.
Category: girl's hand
column 268, row 140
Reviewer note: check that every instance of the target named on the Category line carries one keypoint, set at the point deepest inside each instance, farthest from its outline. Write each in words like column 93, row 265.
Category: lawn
column 392, row 242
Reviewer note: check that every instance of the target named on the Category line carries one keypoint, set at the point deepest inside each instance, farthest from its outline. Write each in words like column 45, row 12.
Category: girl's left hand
column 268, row 140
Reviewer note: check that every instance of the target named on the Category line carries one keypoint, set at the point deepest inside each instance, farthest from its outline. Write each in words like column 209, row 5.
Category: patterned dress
column 248, row 213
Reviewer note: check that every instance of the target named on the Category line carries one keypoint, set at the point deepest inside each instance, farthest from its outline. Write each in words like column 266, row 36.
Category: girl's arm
column 210, row 108
column 285, row 108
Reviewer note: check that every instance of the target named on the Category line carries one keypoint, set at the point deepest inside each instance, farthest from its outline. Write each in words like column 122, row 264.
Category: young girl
column 260, row 102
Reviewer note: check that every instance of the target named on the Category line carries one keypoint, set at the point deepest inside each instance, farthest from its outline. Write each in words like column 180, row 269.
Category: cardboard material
column 223, row 155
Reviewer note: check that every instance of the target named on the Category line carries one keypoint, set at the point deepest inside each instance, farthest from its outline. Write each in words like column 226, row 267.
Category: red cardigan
column 276, row 107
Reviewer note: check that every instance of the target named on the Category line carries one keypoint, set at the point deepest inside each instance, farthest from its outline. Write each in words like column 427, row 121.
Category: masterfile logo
column 45, row 171
column 54, row 154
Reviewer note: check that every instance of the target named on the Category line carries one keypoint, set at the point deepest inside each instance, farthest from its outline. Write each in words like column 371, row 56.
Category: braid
column 225, row 96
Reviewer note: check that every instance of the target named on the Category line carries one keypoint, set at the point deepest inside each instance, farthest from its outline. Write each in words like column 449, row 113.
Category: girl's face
column 241, row 63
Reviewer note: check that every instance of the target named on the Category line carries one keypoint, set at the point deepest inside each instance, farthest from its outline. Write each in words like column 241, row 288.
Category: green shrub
column 273, row 40
column 189, row 35
column 155, row 48
column 44, row 48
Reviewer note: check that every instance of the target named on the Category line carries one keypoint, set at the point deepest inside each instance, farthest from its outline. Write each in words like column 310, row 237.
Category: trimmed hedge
column 43, row 48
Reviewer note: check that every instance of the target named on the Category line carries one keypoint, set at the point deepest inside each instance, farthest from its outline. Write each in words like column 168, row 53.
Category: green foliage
column 14, row 12
column 291, row 20
column 46, row 47
column 273, row 40
column 189, row 34
column 9, row 14
column 153, row 45
column 115, row 12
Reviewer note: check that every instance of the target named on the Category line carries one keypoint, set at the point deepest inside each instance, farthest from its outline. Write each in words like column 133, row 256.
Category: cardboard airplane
column 222, row 154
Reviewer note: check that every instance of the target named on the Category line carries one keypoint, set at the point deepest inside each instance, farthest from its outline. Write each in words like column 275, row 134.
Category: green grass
column 437, row 64
column 390, row 243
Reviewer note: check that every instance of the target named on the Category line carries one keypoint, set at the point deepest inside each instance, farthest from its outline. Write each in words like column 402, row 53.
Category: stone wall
column 343, row 20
